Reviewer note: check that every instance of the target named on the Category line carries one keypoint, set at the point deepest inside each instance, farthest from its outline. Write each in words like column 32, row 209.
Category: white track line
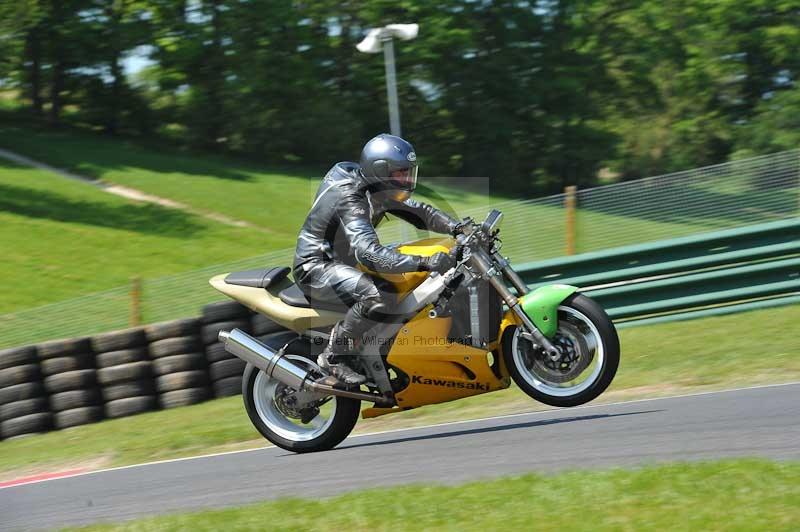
column 391, row 431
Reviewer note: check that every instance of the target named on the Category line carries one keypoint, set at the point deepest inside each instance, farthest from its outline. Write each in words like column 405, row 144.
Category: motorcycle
column 468, row 331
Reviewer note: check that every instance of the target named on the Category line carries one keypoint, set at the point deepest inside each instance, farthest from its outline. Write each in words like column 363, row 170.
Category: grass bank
column 724, row 352
column 277, row 198
column 267, row 196
column 723, row 495
column 63, row 239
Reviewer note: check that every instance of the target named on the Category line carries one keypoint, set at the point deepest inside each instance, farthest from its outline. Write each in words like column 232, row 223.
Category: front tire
column 327, row 429
column 590, row 356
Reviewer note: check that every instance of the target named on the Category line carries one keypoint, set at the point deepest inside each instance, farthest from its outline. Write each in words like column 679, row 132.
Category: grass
column 738, row 350
column 743, row 494
column 276, row 199
column 63, row 239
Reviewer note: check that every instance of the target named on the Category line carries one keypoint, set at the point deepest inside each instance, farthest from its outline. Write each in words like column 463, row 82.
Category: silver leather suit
column 339, row 232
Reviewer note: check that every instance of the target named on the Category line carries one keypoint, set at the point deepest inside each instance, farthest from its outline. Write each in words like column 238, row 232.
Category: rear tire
column 562, row 394
column 333, row 431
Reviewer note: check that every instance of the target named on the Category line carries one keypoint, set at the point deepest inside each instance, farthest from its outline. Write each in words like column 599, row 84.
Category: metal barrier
column 749, row 243
column 672, row 278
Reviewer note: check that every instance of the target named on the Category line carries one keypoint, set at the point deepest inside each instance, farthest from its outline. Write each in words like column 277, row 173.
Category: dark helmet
column 389, row 163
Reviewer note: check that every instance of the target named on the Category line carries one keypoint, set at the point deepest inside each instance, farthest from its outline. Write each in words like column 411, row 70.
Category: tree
column 534, row 94
column 20, row 47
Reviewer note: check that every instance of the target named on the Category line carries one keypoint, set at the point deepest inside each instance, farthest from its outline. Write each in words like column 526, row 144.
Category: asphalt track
column 763, row 422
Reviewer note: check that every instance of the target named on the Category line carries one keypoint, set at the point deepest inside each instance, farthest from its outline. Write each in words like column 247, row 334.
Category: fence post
column 569, row 226
column 136, row 302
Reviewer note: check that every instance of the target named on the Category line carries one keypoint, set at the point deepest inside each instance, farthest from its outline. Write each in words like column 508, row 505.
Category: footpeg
column 333, row 382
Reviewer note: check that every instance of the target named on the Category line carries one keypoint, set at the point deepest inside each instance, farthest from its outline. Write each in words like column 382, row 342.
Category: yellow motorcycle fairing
column 406, row 282
column 438, row 370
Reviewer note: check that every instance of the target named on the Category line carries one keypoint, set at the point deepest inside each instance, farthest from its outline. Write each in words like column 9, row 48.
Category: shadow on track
column 484, row 430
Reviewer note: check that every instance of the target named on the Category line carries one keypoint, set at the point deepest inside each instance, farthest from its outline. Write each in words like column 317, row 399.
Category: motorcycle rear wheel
column 586, row 337
column 332, row 424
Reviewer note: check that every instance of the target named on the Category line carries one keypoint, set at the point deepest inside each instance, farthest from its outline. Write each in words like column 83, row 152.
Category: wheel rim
column 265, row 393
column 572, row 322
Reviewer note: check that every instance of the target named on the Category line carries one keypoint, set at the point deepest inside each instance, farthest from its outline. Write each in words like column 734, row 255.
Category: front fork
column 512, row 276
column 483, row 263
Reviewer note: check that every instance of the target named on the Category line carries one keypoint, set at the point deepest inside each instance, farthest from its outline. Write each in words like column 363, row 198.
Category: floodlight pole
column 391, row 85
column 372, row 43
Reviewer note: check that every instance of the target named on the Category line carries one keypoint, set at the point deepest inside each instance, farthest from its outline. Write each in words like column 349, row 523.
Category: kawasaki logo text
column 416, row 379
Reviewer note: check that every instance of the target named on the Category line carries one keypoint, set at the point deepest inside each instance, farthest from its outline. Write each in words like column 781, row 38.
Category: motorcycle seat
column 263, row 278
column 295, row 297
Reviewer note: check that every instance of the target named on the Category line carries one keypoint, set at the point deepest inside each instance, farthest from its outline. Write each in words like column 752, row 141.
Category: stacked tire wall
column 264, row 327
column 224, row 369
column 23, row 402
column 180, row 368
column 70, row 380
column 125, row 372
column 66, row 383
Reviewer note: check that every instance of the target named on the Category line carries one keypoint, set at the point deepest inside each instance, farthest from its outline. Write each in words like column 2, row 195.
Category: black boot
column 341, row 348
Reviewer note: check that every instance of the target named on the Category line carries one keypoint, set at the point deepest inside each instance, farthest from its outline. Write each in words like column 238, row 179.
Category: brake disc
column 575, row 355
column 300, row 404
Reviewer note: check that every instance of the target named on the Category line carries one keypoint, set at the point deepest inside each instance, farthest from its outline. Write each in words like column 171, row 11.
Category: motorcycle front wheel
column 589, row 356
column 273, row 410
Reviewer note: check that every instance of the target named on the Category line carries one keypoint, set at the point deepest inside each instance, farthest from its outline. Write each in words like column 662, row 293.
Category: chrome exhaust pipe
column 277, row 366
column 273, row 363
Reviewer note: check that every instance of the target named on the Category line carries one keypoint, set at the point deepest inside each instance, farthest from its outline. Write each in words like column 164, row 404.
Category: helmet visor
column 405, row 179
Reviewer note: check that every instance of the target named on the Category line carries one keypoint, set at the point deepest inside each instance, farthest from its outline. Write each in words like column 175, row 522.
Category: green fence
column 726, row 196
column 714, row 273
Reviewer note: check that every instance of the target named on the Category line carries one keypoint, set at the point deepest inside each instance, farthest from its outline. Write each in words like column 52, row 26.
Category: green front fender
column 541, row 306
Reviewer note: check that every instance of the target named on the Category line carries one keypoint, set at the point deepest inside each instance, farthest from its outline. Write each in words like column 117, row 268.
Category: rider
column 339, row 232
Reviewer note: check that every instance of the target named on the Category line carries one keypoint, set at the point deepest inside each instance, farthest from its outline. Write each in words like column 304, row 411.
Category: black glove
column 438, row 262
